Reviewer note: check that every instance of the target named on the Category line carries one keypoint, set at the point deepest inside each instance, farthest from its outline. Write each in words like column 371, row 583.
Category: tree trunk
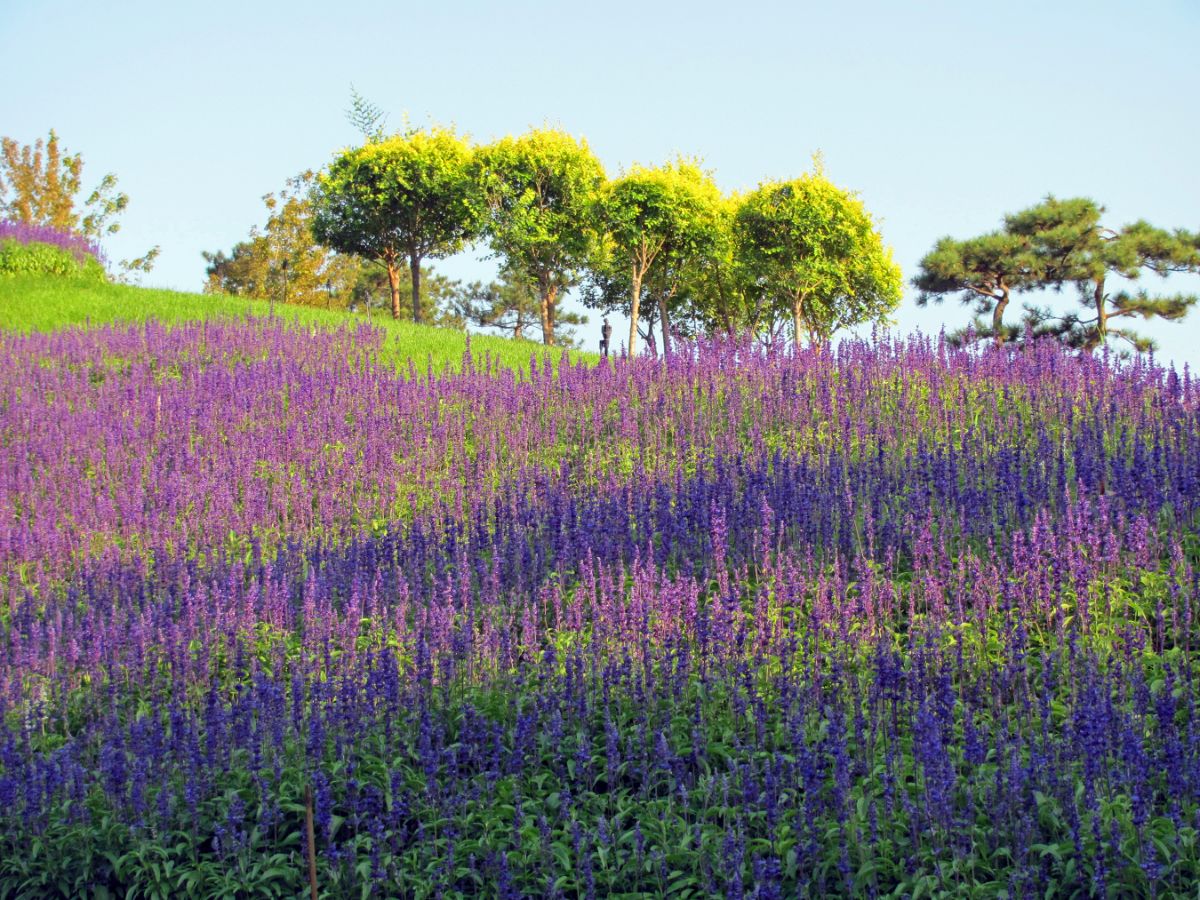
column 1101, row 312
column 726, row 322
column 635, row 303
column 998, row 315
column 722, row 312
column 394, row 283
column 519, row 326
column 549, row 294
column 665, row 321
column 797, row 317
column 414, row 266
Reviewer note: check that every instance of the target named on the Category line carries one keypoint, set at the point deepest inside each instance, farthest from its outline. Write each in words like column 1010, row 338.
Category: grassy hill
column 40, row 303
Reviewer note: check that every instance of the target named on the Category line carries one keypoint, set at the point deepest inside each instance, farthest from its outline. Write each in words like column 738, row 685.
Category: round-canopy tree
column 720, row 293
column 815, row 255
column 659, row 222
column 408, row 197
column 541, row 189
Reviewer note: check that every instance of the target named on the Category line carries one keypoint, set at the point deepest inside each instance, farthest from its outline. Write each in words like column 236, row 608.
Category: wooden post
column 312, row 841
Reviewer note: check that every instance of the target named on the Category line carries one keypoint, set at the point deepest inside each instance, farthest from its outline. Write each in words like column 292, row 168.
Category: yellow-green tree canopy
column 659, row 222
column 408, row 197
column 540, row 191
column 814, row 255
column 717, row 289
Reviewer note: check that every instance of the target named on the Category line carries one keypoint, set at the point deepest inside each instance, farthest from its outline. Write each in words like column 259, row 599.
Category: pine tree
column 511, row 306
column 1076, row 249
column 983, row 271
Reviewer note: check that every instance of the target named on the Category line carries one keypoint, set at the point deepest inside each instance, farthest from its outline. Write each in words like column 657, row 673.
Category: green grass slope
column 41, row 303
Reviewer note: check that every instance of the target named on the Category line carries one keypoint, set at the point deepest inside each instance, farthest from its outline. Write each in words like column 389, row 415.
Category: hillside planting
column 890, row 618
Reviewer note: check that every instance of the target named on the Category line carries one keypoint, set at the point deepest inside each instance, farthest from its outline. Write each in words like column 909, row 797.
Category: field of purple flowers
column 887, row 620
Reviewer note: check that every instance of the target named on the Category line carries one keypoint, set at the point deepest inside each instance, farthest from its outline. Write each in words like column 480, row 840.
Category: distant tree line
column 658, row 244
column 661, row 245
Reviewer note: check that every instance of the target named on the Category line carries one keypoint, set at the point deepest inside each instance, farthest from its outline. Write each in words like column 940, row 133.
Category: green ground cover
column 40, row 303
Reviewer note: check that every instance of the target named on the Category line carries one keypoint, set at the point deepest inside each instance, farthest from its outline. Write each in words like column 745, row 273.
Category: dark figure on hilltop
column 605, row 337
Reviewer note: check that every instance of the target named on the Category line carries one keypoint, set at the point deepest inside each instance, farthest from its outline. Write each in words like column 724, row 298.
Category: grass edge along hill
column 44, row 303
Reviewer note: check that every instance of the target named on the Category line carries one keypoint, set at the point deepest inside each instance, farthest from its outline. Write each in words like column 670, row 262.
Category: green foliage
column 406, row 197
column 540, row 191
column 815, row 256
column 645, row 820
column 367, row 118
column 984, row 270
column 1056, row 244
column 1076, row 249
column 440, row 297
column 721, row 293
column 284, row 262
column 43, row 259
column 511, row 306
column 133, row 269
column 660, row 223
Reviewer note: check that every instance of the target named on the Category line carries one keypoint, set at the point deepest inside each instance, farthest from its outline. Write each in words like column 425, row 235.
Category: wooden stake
column 312, row 840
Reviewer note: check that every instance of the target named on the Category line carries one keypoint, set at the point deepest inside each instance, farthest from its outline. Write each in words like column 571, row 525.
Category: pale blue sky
column 942, row 115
